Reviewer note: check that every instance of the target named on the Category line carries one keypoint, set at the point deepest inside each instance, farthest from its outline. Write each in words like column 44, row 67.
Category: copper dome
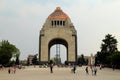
column 58, row 14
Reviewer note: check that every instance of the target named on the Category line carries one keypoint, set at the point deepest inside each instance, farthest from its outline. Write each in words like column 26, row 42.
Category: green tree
column 51, row 62
column 7, row 51
column 81, row 60
column 16, row 56
column 108, row 47
column 109, row 44
column 17, row 61
column 35, row 60
column 115, row 58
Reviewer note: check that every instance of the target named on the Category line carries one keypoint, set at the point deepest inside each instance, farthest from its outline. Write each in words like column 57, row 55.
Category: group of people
column 12, row 70
column 93, row 70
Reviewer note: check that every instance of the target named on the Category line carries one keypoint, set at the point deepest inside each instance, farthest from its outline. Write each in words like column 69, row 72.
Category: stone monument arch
column 58, row 29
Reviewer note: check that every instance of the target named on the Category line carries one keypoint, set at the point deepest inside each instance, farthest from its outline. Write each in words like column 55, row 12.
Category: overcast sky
column 22, row 20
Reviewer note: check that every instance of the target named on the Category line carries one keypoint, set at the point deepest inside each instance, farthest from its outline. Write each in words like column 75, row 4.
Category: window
column 58, row 23
column 52, row 23
column 63, row 23
column 55, row 23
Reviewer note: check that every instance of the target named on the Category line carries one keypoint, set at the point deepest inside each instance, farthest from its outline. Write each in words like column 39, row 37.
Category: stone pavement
column 31, row 73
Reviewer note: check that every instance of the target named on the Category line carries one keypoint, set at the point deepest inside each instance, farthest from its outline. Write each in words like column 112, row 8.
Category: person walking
column 100, row 66
column 9, row 70
column 14, row 69
column 74, row 68
column 95, row 71
column 86, row 70
column 51, row 68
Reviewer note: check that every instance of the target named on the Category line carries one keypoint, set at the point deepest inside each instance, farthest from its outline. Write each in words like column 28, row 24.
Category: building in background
column 29, row 59
column 90, row 60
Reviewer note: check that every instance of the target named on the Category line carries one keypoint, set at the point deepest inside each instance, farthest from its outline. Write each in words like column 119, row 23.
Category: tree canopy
column 108, row 48
column 109, row 44
column 115, row 58
column 35, row 60
column 81, row 60
column 8, row 51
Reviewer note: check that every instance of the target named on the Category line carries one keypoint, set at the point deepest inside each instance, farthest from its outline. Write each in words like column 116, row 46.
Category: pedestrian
column 95, row 70
column 14, row 69
column 51, row 68
column 113, row 67
column 92, row 71
column 74, row 68
column 86, row 69
column 9, row 70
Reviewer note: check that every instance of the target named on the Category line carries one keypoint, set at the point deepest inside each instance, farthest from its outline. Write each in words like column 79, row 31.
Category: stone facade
column 57, row 29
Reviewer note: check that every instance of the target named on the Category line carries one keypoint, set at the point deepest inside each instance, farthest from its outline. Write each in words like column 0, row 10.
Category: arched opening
column 58, row 51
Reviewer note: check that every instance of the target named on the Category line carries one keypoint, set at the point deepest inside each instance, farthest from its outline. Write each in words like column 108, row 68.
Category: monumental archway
column 58, row 29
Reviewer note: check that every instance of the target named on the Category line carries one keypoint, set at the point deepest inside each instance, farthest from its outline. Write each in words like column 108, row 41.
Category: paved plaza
column 31, row 73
